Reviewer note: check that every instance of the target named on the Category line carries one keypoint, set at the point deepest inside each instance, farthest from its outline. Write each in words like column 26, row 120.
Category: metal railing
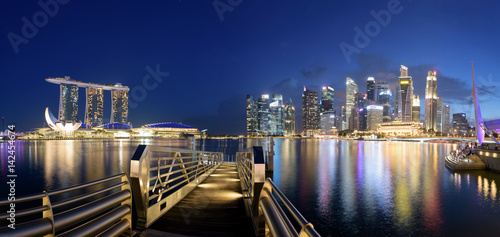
column 262, row 199
column 163, row 176
column 104, row 212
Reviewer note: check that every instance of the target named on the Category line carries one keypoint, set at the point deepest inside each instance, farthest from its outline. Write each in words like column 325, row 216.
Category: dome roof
column 167, row 125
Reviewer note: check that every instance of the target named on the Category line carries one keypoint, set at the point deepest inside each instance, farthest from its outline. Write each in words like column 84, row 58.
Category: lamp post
column 203, row 134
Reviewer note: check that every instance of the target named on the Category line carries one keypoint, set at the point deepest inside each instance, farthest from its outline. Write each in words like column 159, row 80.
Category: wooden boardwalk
column 214, row 208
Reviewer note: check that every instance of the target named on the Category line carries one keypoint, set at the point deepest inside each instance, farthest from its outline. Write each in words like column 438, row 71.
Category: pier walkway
column 168, row 192
column 214, row 208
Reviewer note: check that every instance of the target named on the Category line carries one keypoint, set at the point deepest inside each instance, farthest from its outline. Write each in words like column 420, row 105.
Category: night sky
column 209, row 61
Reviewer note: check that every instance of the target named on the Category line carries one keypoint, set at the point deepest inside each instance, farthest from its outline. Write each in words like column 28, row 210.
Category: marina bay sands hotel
column 68, row 101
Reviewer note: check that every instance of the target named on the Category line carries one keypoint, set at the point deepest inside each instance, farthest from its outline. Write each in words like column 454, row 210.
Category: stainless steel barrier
column 163, row 176
column 262, row 199
column 105, row 212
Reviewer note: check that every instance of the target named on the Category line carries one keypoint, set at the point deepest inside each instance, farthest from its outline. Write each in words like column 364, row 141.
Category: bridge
column 168, row 192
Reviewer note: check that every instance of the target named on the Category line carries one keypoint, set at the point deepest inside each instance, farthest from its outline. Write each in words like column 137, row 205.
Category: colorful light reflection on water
column 345, row 188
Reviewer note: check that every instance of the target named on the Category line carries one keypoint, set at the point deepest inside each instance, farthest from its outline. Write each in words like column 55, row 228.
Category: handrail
column 262, row 199
column 49, row 220
column 162, row 176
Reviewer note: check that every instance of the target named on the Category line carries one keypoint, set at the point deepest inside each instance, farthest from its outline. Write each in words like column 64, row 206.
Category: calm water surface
column 347, row 188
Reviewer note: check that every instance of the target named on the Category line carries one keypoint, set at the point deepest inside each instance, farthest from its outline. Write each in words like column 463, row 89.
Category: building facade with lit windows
column 328, row 122
column 405, row 95
column 310, row 112
column 252, row 122
column 431, row 101
column 68, row 102
column 384, row 98
column 446, row 119
column 439, row 114
column 119, row 110
column 375, row 116
column 327, row 98
column 351, row 90
column 263, row 114
column 94, row 106
column 289, row 119
column 415, row 109
column 371, row 89
column 401, row 128
column 460, row 124
column 276, row 120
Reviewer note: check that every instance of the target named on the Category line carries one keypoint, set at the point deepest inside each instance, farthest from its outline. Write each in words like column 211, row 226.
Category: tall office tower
column 384, row 98
column 351, row 90
column 276, row 120
column 263, row 114
column 415, row 109
column 68, row 102
column 360, row 116
column 405, row 96
column 460, row 124
column 446, row 119
column 289, row 119
column 310, row 112
column 94, row 107
column 397, row 107
column 327, row 98
column 342, row 119
column 375, row 116
column 431, row 101
column 119, row 109
column 327, row 121
column 371, row 89
column 439, row 115
column 252, row 123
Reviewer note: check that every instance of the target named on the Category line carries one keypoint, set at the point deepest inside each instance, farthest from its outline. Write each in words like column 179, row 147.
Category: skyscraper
column 310, row 112
column 360, row 115
column 439, row 115
column 460, row 124
column 327, row 121
column 405, row 96
column 446, row 119
column 371, row 89
column 415, row 110
column 252, row 123
column 94, row 108
column 289, row 119
column 431, row 101
column 375, row 114
column 342, row 119
column 263, row 114
column 68, row 102
column 119, row 110
column 384, row 98
column 276, row 120
column 351, row 90
column 327, row 98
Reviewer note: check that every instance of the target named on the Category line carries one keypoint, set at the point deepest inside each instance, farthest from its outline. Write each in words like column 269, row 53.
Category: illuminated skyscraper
column 431, row 101
column 439, row 114
column 446, row 119
column 68, row 102
column 310, row 112
column 360, row 114
column 375, row 116
column 371, row 89
column 351, row 90
column 94, row 107
column 276, row 120
column 384, row 98
column 460, row 125
column 119, row 110
column 327, row 98
column 252, row 123
column 289, row 119
column 416, row 108
column 327, row 122
column 405, row 95
column 263, row 114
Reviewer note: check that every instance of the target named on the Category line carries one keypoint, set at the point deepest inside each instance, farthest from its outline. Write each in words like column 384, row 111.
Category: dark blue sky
column 258, row 47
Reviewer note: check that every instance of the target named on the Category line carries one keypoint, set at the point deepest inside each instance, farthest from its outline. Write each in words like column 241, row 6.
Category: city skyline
column 198, row 67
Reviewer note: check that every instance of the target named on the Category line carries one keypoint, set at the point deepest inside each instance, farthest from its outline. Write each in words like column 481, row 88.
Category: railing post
column 139, row 178
column 127, row 202
column 258, row 179
column 49, row 213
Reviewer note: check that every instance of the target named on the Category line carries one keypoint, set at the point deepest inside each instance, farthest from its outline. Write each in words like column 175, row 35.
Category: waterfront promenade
column 214, row 208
